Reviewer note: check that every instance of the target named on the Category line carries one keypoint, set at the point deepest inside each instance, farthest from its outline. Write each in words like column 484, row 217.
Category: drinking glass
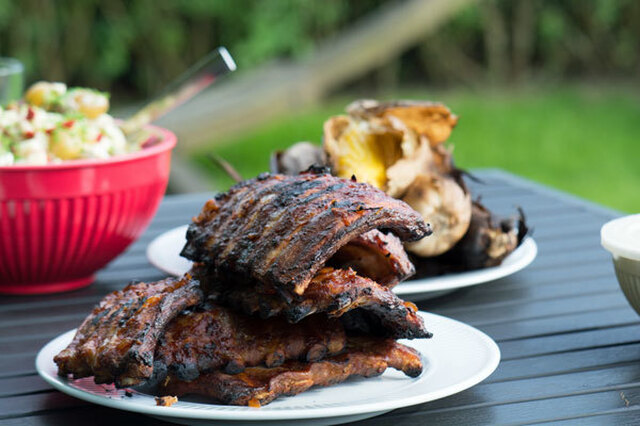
column 11, row 80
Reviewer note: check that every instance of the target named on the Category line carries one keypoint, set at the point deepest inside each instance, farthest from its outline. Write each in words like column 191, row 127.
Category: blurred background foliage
column 547, row 89
column 133, row 48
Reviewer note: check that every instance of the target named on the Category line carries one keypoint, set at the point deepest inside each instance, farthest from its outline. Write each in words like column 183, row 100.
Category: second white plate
column 164, row 253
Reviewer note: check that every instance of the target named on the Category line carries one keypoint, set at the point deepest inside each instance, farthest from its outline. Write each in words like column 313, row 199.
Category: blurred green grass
column 583, row 140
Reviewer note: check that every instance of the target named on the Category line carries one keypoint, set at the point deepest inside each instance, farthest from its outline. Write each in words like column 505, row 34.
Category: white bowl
column 621, row 237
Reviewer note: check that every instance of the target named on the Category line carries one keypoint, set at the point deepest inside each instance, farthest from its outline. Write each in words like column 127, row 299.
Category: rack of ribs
column 291, row 288
column 299, row 245
column 279, row 230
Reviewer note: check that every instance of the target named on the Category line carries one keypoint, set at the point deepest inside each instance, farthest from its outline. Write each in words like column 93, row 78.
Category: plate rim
column 524, row 254
column 151, row 247
column 254, row 414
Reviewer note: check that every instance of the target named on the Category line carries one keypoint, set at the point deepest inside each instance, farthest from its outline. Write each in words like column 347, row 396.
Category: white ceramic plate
column 456, row 358
column 164, row 253
column 427, row 288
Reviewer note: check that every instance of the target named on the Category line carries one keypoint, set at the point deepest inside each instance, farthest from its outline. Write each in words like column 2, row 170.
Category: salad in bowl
column 56, row 123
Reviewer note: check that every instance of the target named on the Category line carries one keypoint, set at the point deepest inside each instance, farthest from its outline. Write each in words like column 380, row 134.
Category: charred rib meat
column 217, row 338
column 116, row 342
column 280, row 230
column 333, row 291
column 375, row 255
column 256, row 386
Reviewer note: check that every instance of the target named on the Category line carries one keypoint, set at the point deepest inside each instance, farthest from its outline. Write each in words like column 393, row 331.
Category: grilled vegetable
column 398, row 148
column 448, row 207
column 297, row 158
column 430, row 119
column 366, row 149
column 486, row 243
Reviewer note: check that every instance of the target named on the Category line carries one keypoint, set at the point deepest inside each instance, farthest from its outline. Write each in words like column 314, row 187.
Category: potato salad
column 54, row 123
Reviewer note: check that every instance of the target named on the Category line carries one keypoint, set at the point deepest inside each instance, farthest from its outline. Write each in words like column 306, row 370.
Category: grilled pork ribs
column 279, row 230
column 291, row 289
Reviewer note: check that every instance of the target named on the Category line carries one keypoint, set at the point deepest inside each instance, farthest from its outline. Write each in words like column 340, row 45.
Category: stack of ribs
column 291, row 288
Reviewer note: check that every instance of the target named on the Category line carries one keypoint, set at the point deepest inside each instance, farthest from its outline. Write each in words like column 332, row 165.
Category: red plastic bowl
column 60, row 223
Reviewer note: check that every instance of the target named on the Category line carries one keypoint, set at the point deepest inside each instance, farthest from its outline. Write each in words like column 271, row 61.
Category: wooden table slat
column 38, row 402
column 627, row 416
column 540, row 294
column 85, row 415
column 559, row 343
column 538, row 411
column 546, row 308
column 514, row 290
column 23, row 385
column 558, row 363
column 581, row 321
column 545, row 387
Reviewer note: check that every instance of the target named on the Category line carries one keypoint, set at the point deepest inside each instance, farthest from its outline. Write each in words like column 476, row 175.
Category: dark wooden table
column 570, row 342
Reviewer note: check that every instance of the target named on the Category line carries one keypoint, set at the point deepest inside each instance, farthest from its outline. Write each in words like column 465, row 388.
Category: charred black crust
column 523, row 227
column 387, row 321
column 315, row 169
column 234, row 367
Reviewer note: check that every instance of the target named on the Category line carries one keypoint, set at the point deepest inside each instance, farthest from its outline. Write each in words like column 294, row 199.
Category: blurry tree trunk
column 46, row 11
column 447, row 59
column 634, row 17
column 496, row 41
column 587, row 38
column 523, row 38
column 388, row 76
